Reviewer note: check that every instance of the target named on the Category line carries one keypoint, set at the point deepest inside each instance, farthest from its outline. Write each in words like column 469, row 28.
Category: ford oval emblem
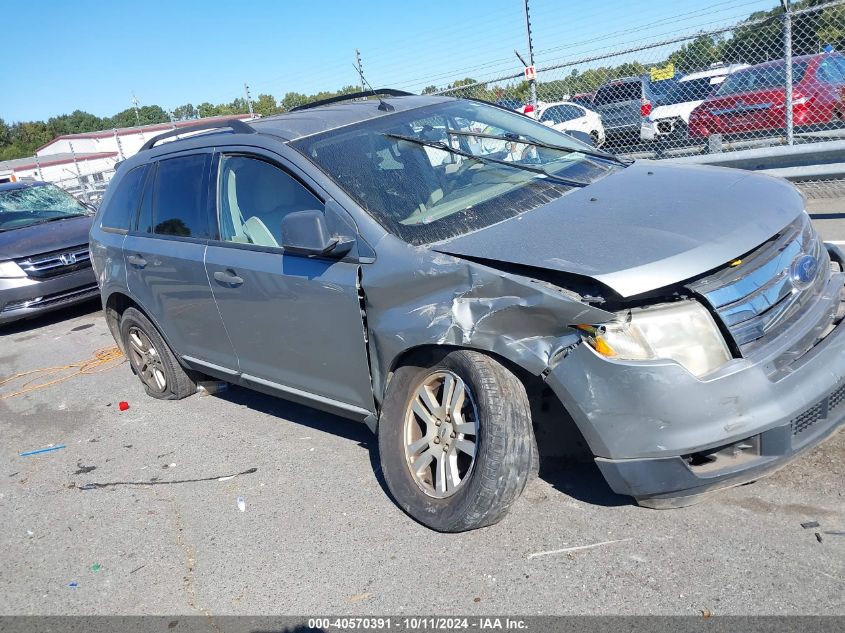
column 803, row 270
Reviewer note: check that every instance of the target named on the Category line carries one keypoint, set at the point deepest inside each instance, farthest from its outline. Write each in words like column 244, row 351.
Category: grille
column 757, row 299
column 819, row 411
column 807, row 419
column 56, row 263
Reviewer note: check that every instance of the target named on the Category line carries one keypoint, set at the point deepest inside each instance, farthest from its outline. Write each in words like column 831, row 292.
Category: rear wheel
column 151, row 359
column 456, row 442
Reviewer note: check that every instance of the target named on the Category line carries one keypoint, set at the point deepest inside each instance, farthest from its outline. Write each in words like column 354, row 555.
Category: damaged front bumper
column 665, row 437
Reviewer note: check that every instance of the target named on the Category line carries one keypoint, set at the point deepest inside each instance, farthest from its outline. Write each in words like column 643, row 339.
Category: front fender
column 414, row 297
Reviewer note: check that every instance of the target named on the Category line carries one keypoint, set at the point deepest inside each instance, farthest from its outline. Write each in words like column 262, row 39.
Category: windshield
column 690, row 90
column 425, row 177
column 36, row 204
column 761, row 78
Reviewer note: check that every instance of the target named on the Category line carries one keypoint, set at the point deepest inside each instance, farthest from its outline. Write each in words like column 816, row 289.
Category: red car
column 753, row 99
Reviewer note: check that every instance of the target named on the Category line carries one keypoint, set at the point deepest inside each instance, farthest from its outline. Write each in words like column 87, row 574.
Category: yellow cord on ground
column 103, row 359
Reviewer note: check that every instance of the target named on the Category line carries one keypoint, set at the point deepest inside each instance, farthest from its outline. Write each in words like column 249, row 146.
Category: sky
column 93, row 55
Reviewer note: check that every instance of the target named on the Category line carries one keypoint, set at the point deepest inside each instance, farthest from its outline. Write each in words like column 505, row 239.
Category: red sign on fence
column 530, row 73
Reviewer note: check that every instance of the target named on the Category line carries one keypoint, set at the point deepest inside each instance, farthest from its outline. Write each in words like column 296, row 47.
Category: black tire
column 178, row 383
column 505, row 452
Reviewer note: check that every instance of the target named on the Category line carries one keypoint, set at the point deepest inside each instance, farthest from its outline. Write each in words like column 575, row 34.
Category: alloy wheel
column 146, row 360
column 441, row 434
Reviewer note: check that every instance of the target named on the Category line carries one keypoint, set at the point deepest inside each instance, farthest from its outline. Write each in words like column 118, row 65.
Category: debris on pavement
column 42, row 450
column 818, row 537
column 359, row 597
column 73, row 584
column 575, row 549
column 241, row 504
column 156, row 482
column 122, row 405
column 835, row 533
column 138, row 568
column 810, row 524
column 227, row 478
column 83, row 470
column 96, row 567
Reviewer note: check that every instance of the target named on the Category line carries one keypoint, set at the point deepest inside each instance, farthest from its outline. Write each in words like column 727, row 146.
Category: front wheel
column 456, row 442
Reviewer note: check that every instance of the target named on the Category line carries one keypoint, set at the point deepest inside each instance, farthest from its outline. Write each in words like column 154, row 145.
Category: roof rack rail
column 390, row 92
column 236, row 125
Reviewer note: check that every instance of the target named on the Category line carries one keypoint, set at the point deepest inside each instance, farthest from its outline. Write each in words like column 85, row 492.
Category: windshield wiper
column 518, row 138
column 487, row 159
column 56, row 219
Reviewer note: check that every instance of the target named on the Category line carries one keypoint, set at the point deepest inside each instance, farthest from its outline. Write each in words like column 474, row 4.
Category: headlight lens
column 683, row 331
column 10, row 270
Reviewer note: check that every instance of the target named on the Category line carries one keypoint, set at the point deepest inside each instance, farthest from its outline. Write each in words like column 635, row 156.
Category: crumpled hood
column 43, row 238
column 645, row 227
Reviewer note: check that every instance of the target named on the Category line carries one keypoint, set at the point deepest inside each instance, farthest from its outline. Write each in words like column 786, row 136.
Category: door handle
column 228, row 278
column 136, row 260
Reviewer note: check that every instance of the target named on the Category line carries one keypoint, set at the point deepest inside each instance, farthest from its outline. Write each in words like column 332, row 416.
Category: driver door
column 294, row 321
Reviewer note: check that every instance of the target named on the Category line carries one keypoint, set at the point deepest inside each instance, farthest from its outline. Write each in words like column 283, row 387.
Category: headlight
column 10, row 270
column 683, row 331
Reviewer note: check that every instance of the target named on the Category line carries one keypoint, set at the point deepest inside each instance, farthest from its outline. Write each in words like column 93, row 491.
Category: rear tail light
column 528, row 108
column 645, row 107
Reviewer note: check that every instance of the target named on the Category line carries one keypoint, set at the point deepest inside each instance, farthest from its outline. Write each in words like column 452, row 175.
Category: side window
column 830, row 71
column 179, row 197
column 254, row 197
column 552, row 114
column 123, row 205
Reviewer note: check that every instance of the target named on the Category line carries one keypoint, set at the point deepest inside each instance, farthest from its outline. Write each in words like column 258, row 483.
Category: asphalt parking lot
column 318, row 533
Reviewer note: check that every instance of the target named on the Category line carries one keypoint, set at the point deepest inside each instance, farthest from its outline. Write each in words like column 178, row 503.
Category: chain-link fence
column 773, row 80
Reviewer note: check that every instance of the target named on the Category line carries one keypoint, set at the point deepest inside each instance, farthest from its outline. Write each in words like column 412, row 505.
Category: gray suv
column 444, row 270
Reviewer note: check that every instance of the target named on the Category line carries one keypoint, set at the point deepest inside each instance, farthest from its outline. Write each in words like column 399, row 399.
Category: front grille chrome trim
column 56, row 263
column 756, row 297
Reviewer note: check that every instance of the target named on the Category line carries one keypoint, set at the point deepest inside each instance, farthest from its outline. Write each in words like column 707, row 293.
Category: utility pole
column 360, row 67
column 533, row 81
column 249, row 101
column 137, row 113
column 787, row 55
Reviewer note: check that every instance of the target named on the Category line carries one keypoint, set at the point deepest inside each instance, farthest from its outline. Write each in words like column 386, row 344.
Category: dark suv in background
column 452, row 273
column 622, row 103
column 44, row 260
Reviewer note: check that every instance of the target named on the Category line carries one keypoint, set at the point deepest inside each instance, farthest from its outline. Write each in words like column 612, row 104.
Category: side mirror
column 306, row 233
column 578, row 135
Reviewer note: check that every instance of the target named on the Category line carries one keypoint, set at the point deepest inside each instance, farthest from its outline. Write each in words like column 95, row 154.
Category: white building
column 125, row 142
column 84, row 163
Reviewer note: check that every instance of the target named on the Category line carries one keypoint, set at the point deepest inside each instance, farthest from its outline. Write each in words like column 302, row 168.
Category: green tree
column 265, row 105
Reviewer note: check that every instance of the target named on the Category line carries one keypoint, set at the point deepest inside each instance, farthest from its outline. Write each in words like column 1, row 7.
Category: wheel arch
column 115, row 305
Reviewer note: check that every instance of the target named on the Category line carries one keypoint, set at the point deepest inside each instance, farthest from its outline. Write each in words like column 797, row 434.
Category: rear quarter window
column 619, row 92
column 180, row 197
column 120, row 211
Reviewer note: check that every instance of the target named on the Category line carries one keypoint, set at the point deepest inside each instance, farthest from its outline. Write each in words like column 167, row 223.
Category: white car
column 669, row 119
column 568, row 117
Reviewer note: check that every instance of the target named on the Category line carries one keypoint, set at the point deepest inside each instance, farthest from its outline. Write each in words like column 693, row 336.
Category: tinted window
column 254, row 198
column 561, row 113
column 831, row 71
column 691, row 90
column 619, row 92
column 761, row 78
column 123, row 204
column 179, row 199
